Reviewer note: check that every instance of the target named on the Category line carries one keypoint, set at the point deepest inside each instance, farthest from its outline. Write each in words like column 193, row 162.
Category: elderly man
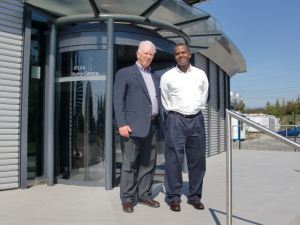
column 136, row 113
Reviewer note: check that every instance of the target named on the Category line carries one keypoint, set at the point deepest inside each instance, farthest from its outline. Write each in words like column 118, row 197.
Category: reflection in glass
column 81, row 133
column 80, row 116
column 35, row 101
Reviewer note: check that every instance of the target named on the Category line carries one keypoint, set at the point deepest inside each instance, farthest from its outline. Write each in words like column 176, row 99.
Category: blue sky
column 267, row 32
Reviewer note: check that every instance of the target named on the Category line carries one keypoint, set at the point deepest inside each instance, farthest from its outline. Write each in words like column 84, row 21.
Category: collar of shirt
column 147, row 70
column 180, row 71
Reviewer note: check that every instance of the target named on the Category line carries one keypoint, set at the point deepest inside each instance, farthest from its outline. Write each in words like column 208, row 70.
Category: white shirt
column 184, row 92
column 150, row 87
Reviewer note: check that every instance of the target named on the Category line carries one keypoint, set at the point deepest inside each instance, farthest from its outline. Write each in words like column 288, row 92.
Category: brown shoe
column 127, row 207
column 196, row 203
column 150, row 202
column 175, row 206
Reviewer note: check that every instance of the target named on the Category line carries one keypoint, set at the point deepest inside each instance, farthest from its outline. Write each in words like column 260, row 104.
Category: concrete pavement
column 266, row 190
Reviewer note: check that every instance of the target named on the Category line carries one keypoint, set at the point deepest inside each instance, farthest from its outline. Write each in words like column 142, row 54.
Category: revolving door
column 80, row 116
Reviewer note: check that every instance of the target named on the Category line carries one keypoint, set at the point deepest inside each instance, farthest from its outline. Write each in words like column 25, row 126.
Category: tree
column 270, row 109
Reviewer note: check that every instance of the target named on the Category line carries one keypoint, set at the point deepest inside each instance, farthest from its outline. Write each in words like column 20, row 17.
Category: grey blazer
column 132, row 104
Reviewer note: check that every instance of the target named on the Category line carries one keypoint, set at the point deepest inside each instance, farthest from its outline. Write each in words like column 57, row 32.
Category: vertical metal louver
column 222, row 117
column 227, row 103
column 213, row 109
column 201, row 61
column 11, row 47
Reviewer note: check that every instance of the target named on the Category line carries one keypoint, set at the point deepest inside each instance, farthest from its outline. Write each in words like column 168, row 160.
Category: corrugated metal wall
column 222, row 117
column 11, row 46
column 213, row 109
column 227, row 103
column 214, row 115
column 201, row 62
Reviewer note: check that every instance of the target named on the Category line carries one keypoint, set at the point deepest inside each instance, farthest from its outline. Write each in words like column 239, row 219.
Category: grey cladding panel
column 9, row 186
column 10, row 53
column 9, row 137
column 11, row 46
column 10, row 30
column 10, row 89
column 9, row 113
column 9, row 174
column 201, row 62
column 9, row 107
column 8, row 180
column 222, row 110
column 9, row 149
column 9, row 168
column 6, row 143
column 213, row 106
column 9, row 95
column 9, row 155
column 9, row 59
column 11, row 18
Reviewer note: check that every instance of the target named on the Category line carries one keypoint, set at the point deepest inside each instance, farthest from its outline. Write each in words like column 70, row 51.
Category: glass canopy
column 201, row 28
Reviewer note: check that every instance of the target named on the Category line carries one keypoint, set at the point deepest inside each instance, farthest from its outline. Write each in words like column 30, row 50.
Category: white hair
column 147, row 43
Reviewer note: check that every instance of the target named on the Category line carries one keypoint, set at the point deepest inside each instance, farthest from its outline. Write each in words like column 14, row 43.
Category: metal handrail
column 229, row 115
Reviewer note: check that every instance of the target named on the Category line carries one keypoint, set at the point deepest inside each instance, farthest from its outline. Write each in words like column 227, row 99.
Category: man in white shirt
column 184, row 91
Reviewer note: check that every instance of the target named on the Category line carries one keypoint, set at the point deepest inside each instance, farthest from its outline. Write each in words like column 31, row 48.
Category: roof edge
column 225, row 54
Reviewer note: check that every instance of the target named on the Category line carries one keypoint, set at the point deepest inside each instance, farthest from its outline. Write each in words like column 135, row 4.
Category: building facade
column 57, row 66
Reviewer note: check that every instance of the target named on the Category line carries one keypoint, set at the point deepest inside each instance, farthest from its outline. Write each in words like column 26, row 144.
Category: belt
column 185, row 116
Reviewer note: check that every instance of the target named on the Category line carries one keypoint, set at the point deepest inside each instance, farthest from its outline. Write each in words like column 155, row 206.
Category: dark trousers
column 138, row 167
column 184, row 134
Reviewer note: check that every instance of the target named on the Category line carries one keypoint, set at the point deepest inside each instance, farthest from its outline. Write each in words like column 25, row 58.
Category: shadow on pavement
column 214, row 213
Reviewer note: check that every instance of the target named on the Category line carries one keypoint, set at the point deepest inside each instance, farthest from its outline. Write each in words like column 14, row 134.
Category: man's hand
column 124, row 131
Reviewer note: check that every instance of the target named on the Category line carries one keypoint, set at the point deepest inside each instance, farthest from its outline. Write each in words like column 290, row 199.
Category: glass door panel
column 36, row 100
column 80, row 116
